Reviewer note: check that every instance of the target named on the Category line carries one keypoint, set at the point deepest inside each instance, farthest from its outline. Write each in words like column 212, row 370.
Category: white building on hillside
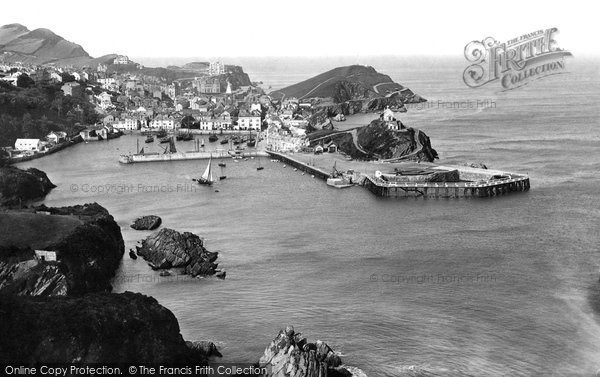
column 216, row 68
column 127, row 124
column 249, row 122
column 34, row 145
column 162, row 122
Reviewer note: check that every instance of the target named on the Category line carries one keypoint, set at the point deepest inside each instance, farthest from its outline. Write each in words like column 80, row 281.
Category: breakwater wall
column 494, row 187
column 299, row 165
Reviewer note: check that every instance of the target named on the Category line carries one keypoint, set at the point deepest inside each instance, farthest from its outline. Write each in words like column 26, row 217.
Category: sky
column 186, row 28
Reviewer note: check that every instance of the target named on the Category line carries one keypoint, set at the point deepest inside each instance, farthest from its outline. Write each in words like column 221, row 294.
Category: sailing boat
column 259, row 167
column 207, row 178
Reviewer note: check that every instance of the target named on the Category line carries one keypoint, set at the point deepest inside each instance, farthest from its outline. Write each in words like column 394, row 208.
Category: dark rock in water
column 290, row 352
column 88, row 246
column 93, row 328
column 149, row 222
column 165, row 273
column 169, row 248
column 20, row 186
column 221, row 274
column 132, row 254
column 208, row 349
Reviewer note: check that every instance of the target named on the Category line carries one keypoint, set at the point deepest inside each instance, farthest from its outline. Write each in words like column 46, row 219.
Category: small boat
column 260, row 168
column 165, row 139
column 338, row 180
column 184, row 137
column 149, row 139
column 222, row 177
column 207, row 177
column 222, row 164
column 225, row 141
column 213, row 138
column 251, row 142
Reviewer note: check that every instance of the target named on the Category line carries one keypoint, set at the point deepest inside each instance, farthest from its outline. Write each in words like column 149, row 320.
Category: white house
column 127, row 124
column 121, row 59
column 164, row 123
column 28, row 145
column 104, row 100
column 255, row 107
column 45, row 255
column 56, row 77
column 249, row 122
column 298, row 123
column 108, row 83
column 56, row 137
column 388, row 115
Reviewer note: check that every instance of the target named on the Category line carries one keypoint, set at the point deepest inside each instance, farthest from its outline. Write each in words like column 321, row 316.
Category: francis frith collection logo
column 515, row 63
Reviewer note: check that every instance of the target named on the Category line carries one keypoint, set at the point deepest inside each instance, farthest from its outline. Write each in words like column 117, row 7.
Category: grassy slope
column 17, row 229
column 354, row 73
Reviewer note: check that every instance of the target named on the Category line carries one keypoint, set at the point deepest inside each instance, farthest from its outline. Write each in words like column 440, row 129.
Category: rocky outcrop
column 21, row 273
column 235, row 75
column 208, row 349
column 290, row 354
column 149, row 222
column 378, row 142
column 321, row 113
column 169, row 248
column 87, row 255
column 382, row 143
column 17, row 187
column 95, row 328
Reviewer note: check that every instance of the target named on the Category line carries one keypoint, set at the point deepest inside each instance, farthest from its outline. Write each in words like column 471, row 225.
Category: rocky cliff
column 349, row 90
column 95, row 328
column 322, row 112
column 88, row 245
column 378, row 141
column 17, row 186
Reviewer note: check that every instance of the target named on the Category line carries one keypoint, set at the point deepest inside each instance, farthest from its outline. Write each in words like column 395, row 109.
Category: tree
column 24, row 81
column 67, row 77
column 187, row 121
column 28, row 126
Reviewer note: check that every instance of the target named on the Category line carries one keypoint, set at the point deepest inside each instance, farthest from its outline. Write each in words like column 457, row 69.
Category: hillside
column 38, row 46
column 34, row 111
column 377, row 142
column 355, row 82
column 11, row 32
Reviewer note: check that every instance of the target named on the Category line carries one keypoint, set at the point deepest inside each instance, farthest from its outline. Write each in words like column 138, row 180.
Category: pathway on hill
column 316, row 87
column 352, row 132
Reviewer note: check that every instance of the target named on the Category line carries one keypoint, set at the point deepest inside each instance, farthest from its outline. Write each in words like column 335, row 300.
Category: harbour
column 462, row 181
